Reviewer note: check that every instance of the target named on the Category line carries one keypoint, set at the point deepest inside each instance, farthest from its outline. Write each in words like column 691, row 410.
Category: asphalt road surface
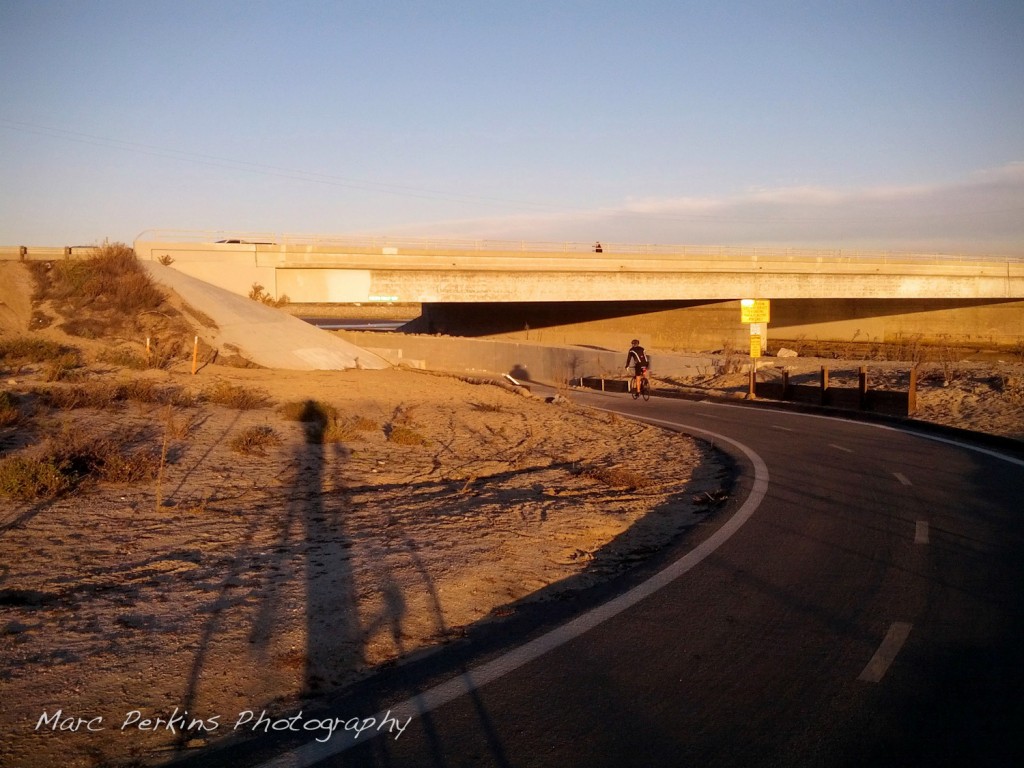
column 858, row 602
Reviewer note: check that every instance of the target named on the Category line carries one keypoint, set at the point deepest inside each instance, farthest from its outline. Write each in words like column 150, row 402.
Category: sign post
column 756, row 313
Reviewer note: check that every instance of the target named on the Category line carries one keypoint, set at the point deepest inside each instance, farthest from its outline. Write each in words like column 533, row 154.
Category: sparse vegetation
column 344, row 430
column 1012, row 387
column 403, row 430
column 66, row 367
column 614, row 477
column 21, row 350
column 10, row 413
column 234, row 396
column 324, row 424
column 106, row 396
column 255, row 440
column 110, row 286
column 259, row 293
column 68, row 460
column 400, row 434
column 488, row 407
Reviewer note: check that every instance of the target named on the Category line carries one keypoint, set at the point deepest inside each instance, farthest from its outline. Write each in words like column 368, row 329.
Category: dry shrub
column 488, row 407
column 308, row 411
column 28, row 478
column 123, row 357
column 255, row 439
column 67, row 461
column 232, row 396
column 111, row 279
column 108, row 295
column 26, row 349
column 344, row 430
column 402, row 434
column 614, row 477
column 67, row 367
column 106, row 395
column 99, row 396
column 324, row 424
column 403, row 429
column 10, row 413
column 258, row 293
column 1012, row 387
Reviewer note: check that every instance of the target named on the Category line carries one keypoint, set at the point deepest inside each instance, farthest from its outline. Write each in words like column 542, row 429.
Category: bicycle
column 643, row 389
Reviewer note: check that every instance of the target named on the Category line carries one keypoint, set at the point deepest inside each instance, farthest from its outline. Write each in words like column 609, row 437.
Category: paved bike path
column 832, row 628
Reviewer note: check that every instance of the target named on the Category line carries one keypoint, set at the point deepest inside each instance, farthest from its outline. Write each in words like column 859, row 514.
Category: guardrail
column 379, row 244
column 44, row 252
column 484, row 248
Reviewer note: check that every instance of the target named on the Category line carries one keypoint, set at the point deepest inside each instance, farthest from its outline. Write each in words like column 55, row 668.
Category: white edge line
column 921, row 532
column 906, row 430
column 313, row 752
column 902, row 478
column 886, row 653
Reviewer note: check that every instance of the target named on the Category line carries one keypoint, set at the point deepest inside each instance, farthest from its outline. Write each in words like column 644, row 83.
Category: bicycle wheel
column 645, row 388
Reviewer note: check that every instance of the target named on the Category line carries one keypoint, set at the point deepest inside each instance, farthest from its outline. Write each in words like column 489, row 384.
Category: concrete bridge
column 679, row 297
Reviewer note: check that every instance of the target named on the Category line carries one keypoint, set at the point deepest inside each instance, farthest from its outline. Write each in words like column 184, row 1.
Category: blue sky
column 896, row 125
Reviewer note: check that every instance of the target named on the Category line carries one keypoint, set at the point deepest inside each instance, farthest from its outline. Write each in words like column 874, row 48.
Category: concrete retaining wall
column 524, row 361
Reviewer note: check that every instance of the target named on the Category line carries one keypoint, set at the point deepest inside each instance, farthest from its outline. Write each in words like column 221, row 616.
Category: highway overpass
column 674, row 296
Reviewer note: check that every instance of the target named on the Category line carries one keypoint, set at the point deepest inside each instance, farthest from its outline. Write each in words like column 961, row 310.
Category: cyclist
column 637, row 359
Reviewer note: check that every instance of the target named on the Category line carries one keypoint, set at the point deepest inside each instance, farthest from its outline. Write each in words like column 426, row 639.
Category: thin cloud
column 981, row 213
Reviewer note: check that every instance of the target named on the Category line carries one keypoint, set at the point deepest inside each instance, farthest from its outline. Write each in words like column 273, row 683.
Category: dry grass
column 110, row 296
column 10, row 412
column 403, row 430
column 234, row 396
column 324, row 424
column 107, row 396
column 259, row 293
column 22, row 350
column 1012, row 387
column 99, row 295
column 73, row 458
column 401, row 434
column 614, row 477
column 255, row 440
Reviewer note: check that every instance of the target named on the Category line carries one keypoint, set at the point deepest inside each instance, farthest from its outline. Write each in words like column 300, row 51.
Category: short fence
column 824, row 393
column 860, row 398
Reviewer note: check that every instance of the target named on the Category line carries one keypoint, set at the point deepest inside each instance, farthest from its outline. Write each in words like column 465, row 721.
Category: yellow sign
column 754, row 311
column 755, row 346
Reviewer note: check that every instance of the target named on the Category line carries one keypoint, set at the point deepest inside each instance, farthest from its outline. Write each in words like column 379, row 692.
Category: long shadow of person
column 333, row 634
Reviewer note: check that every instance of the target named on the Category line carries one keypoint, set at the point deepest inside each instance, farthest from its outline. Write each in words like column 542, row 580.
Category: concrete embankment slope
column 262, row 334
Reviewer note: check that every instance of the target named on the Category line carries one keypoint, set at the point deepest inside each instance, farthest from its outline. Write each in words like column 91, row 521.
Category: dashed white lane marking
column 902, row 478
column 886, row 653
column 784, row 429
column 921, row 532
column 313, row 752
column 840, row 448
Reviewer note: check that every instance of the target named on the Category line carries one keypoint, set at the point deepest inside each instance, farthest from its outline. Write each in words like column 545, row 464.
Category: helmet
column 634, row 342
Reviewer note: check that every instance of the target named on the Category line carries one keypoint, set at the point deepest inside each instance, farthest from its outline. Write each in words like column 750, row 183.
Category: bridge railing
column 382, row 244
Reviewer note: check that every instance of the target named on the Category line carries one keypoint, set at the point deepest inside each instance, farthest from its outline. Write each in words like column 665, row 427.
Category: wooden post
column 824, row 385
column 753, row 379
column 912, row 393
column 195, row 355
column 862, row 386
column 785, row 384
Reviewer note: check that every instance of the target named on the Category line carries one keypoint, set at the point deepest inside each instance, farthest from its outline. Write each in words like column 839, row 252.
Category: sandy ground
column 243, row 582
